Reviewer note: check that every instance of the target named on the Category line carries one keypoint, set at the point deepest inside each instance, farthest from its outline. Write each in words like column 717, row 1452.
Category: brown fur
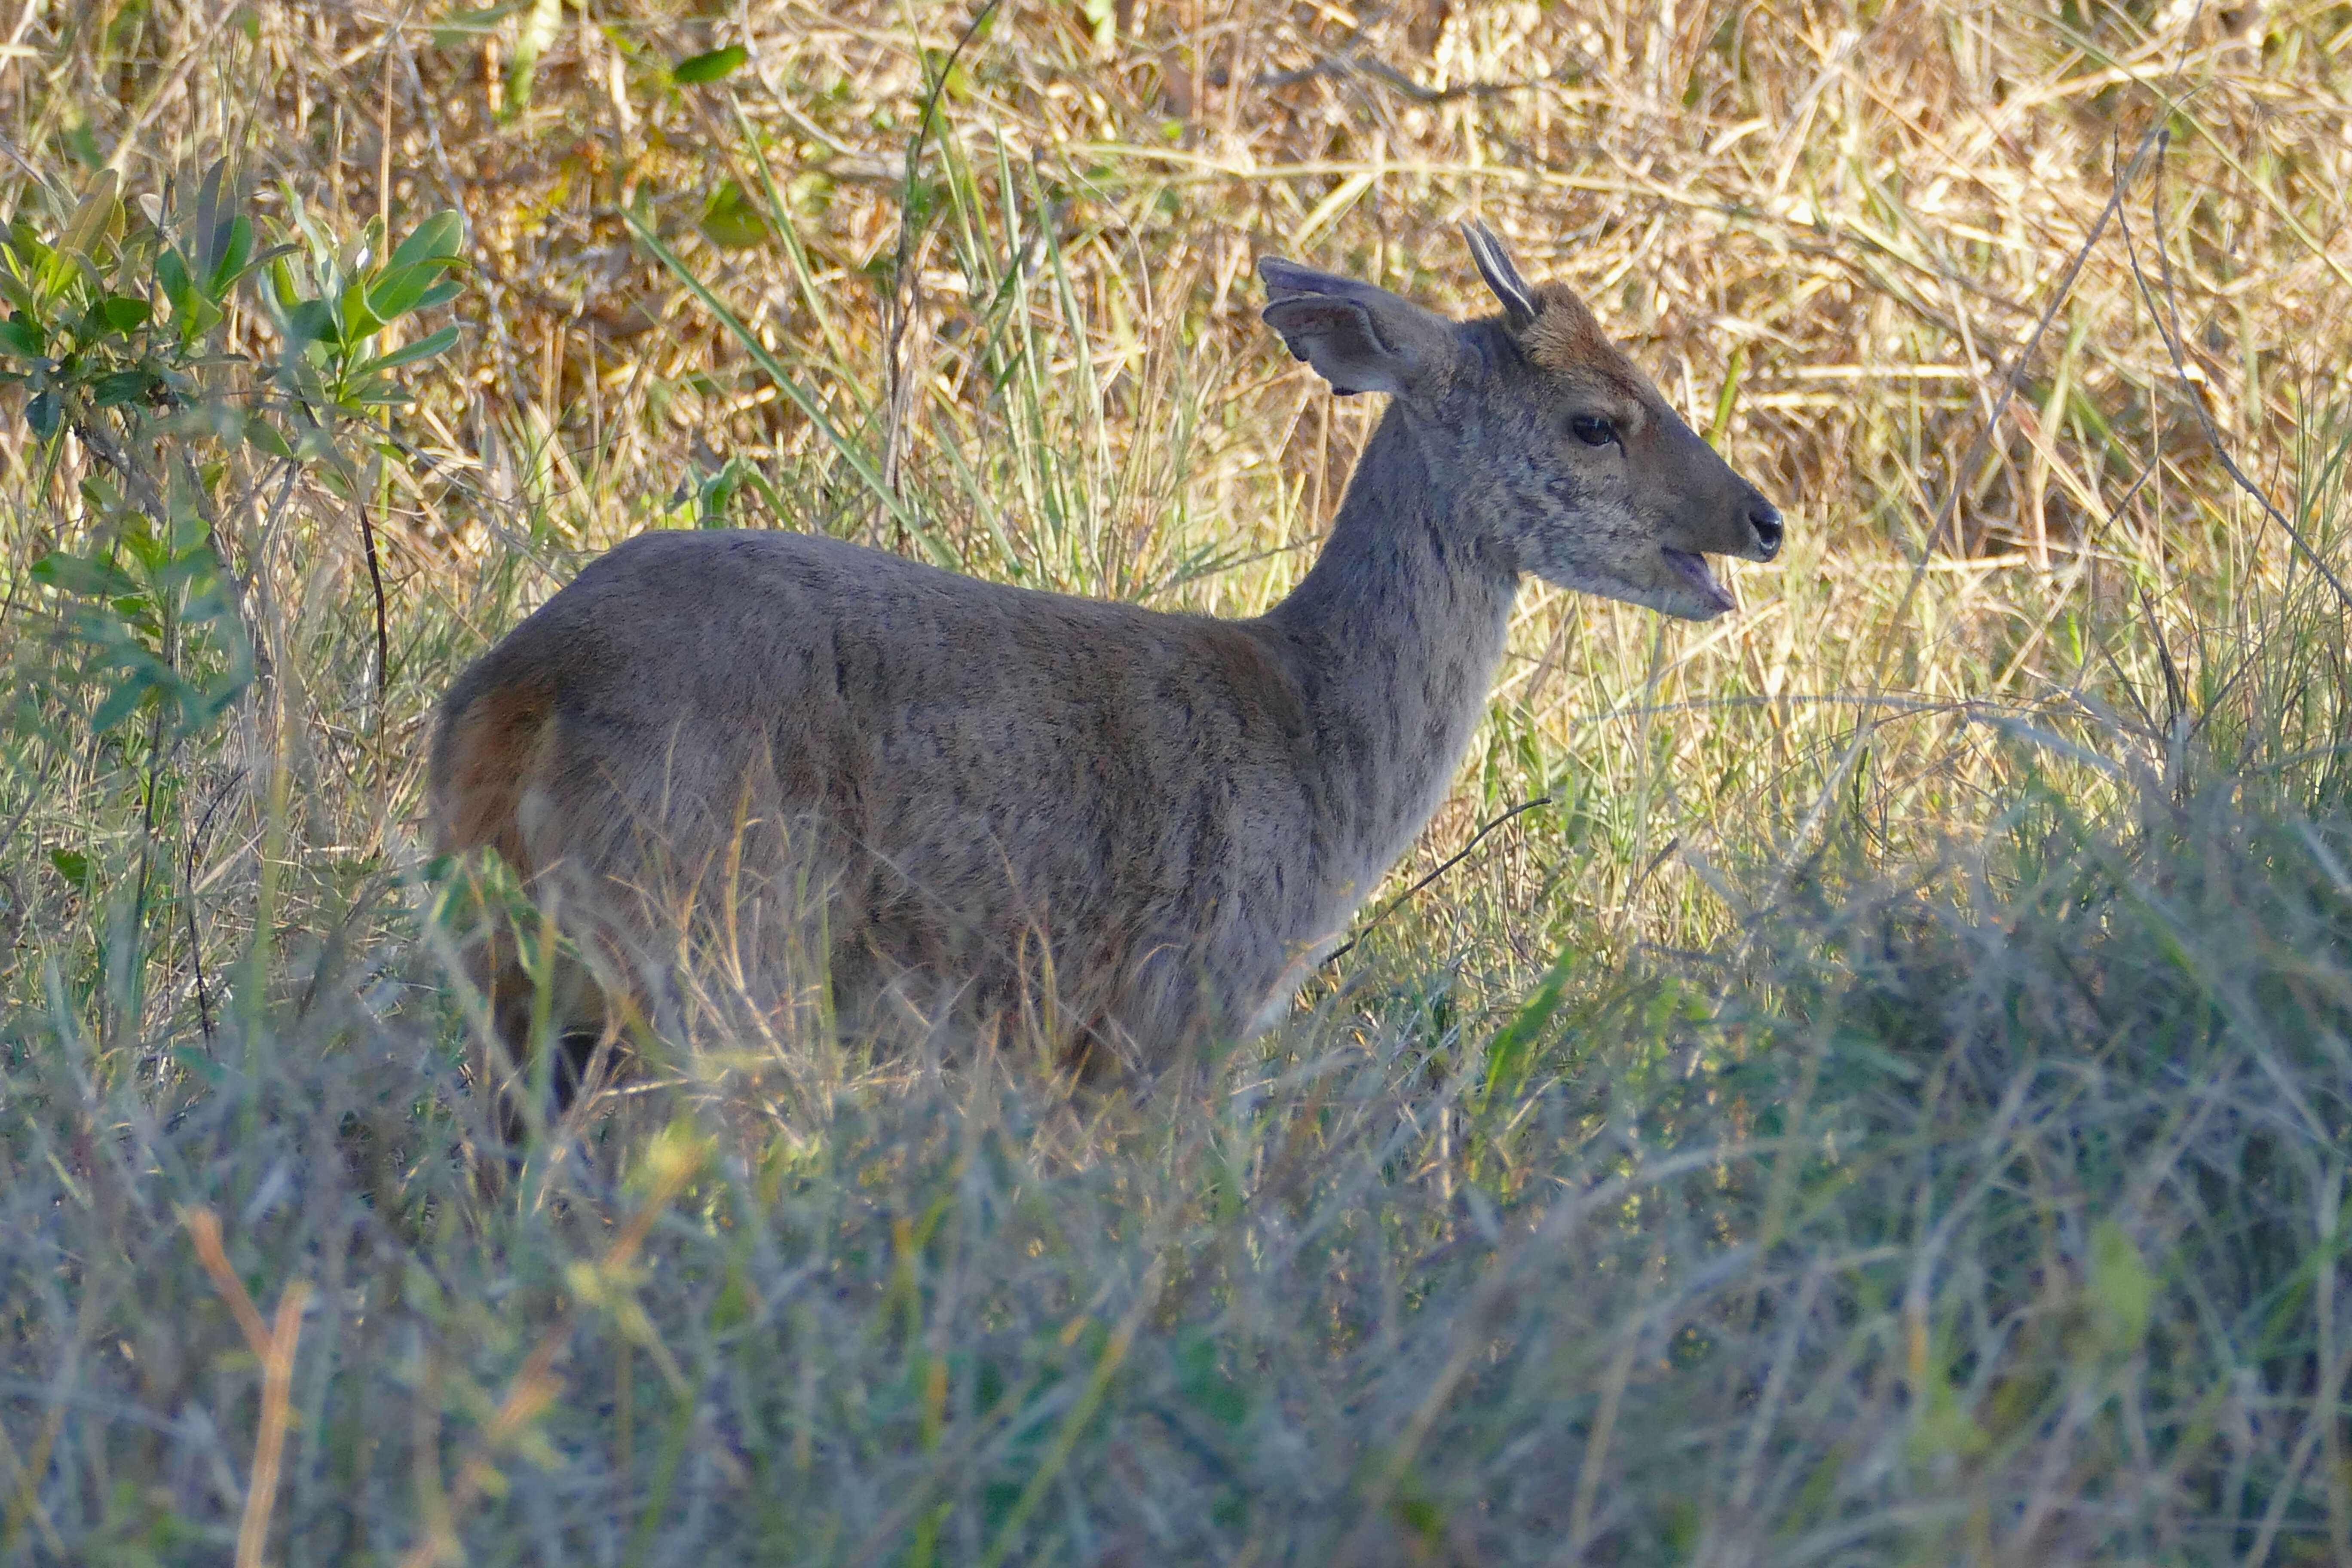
column 1132, row 830
column 480, row 760
column 1567, row 340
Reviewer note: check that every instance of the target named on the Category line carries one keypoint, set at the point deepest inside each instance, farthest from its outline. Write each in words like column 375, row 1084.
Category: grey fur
column 1006, row 803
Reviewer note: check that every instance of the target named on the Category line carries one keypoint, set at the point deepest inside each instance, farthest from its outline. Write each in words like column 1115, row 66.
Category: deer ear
column 1494, row 265
column 1357, row 336
column 1338, row 338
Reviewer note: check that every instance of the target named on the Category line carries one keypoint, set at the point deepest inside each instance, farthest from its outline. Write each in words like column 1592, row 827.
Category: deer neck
column 1397, row 631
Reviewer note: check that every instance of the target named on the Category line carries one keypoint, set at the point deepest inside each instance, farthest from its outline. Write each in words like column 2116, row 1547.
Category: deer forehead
column 1566, row 340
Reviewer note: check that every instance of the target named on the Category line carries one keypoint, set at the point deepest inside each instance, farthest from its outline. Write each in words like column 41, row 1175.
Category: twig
column 158, row 754
column 2168, row 327
column 107, row 451
column 902, row 301
column 382, row 635
column 198, row 50
column 1447, row 865
column 2153, row 140
column 273, row 1346
column 1388, row 76
column 195, row 945
column 1802, row 845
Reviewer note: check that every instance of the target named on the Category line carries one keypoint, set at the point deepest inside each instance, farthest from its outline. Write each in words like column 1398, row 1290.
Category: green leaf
column 376, row 392
column 42, row 414
column 123, row 314
column 358, row 321
column 78, row 574
column 1104, row 16
column 708, row 67
column 538, row 31
column 1212, row 1391
column 736, row 1302
column 262, row 434
column 51, row 277
column 409, row 353
column 441, row 293
column 316, row 444
column 24, row 246
column 231, row 264
column 122, row 387
column 1512, row 1052
column 73, row 866
column 20, row 335
column 192, row 1058
column 731, row 221
column 212, row 222
column 311, row 321
column 122, row 703
column 172, row 273
column 1945, row 1427
column 18, row 296
column 440, row 238
column 392, row 292
column 458, row 27
column 139, row 541
column 2122, row 1291
column 396, row 292
column 264, row 259
column 89, row 224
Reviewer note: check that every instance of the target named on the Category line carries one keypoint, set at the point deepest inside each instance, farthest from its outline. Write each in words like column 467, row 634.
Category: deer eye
column 1592, row 429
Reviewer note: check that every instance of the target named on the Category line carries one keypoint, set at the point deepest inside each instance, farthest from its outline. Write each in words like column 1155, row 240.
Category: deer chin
column 1709, row 597
column 1679, row 586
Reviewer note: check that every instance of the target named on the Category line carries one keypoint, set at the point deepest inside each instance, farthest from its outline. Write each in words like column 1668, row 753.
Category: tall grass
column 1888, row 1106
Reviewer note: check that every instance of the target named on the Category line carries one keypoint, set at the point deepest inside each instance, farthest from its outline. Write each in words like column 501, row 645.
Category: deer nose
column 1765, row 519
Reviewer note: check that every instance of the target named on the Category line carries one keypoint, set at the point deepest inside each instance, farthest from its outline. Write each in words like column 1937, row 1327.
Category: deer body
column 1006, row 799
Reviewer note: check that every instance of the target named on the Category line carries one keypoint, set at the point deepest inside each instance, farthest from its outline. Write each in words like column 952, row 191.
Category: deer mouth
column 1693, row 569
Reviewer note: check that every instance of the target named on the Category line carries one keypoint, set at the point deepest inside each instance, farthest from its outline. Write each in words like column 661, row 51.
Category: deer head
column 1557, row 456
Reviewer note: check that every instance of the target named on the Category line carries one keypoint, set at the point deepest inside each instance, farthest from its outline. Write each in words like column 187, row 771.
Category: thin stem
column 1447, row 865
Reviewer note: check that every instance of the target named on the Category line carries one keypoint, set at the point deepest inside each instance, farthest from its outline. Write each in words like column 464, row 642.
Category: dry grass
column 2030, row 633
column 1832, row 238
